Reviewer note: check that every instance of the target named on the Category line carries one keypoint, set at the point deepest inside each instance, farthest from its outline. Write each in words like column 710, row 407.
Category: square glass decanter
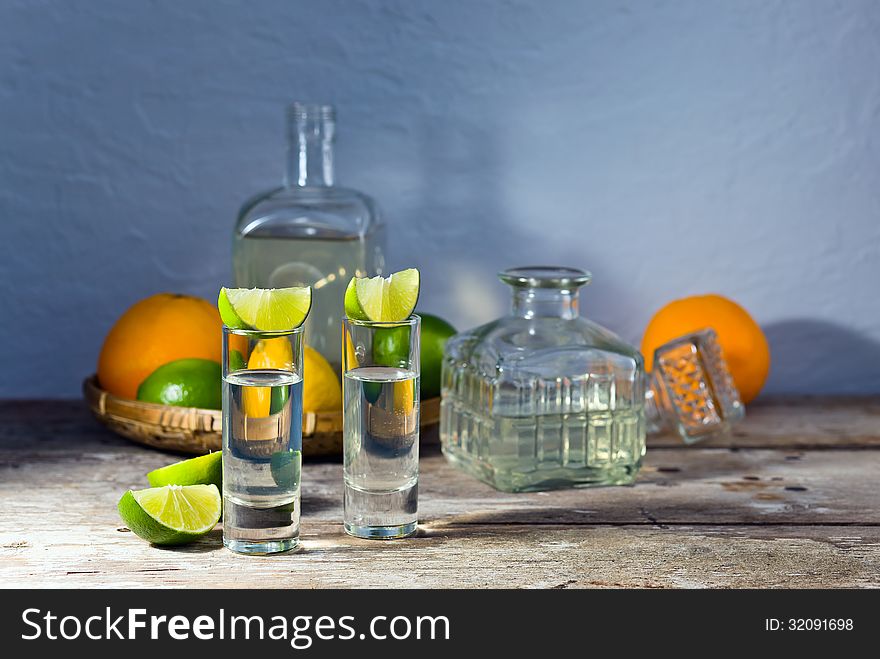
column 543, row 398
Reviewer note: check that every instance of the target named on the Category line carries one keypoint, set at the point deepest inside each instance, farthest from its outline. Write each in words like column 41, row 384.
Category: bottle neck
column 545, row 302
column 310, row 137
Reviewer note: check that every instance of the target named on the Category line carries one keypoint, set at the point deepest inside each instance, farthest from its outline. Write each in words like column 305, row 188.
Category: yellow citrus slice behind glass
column 275, row 353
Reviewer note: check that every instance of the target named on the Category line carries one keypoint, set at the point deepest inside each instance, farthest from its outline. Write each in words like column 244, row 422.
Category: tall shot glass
column 262, row 439
column 381, row 427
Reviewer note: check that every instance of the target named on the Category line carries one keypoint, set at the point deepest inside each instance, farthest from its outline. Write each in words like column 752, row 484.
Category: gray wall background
column 672, row 148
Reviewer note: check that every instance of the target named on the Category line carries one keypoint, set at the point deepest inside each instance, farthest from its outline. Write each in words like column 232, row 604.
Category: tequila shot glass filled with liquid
column 262, row 439
column 381, row 427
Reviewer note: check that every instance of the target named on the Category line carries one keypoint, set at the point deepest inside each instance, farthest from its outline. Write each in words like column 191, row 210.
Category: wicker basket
column 193, row 430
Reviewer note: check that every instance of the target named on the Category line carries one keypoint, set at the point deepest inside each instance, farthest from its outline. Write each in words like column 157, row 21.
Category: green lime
column 285, row 467
column 184, row 383
column 203, row 470
column 236, row 361
column 435, row 333
column 383, row 300
column 266, row 309
column 227, row 313
column 278, row 399
column 173, row 514
column 372, row 391
column 391, row 346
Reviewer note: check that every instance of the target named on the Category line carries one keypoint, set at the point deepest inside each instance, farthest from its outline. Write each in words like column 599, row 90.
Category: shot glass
column 380, row 427
column 262, row 439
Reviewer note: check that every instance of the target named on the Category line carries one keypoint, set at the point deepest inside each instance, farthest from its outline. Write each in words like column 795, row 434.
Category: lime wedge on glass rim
column 265, row 309
column 173, row 514
column 203, row 470
column 378, row 299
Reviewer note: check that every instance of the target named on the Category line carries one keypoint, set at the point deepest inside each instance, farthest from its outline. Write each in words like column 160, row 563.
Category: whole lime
column 435, row 332
column 184, row 383
column 391, row 346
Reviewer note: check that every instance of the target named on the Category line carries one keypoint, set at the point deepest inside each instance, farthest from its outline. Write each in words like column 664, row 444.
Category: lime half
column 265, row 309
column 171, row 515
column 391, row 299
column 203, row 470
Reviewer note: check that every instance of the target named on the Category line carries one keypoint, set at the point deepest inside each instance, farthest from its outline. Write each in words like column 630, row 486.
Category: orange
column 743, row 343
column 153, row 332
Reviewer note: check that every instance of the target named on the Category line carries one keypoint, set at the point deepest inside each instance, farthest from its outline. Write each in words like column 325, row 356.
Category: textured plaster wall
column 670, row 147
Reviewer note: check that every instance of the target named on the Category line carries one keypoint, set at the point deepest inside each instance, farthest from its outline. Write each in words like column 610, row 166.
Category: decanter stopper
column 690, row 390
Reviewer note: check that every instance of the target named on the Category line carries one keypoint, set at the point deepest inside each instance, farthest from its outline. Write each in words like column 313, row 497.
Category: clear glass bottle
column 310, row 231
column 543, row 398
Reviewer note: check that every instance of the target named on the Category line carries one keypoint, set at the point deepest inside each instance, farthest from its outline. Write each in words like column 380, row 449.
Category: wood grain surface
column 789, row 500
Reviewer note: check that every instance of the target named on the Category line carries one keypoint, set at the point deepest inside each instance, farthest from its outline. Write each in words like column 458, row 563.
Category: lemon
column 404, row 394
column 277, row 353
column 184, row 383
column 321, row 390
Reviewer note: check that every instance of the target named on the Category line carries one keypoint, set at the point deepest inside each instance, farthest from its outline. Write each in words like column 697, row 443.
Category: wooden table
column 790, row 500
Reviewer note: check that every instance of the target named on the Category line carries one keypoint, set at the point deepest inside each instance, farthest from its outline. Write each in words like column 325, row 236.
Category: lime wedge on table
column 203, row 470
column 265, row 309
column 390, row 299
column 171, row 515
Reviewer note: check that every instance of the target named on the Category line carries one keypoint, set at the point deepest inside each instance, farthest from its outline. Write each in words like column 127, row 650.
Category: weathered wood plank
column 698, row 516
column 472, row 557
column 799, row 422
column 709, row 524
column 683, row 486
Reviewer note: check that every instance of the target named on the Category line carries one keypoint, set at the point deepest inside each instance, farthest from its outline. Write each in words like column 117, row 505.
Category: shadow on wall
column 466, row 229
column 460, row 209
column 815, row 356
